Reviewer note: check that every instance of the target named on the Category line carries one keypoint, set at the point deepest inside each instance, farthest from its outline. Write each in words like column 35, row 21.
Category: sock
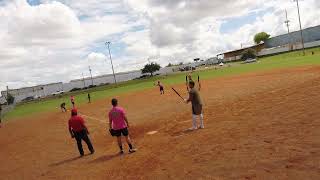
column 194, row 121
column 130, row 146
column 201, row 121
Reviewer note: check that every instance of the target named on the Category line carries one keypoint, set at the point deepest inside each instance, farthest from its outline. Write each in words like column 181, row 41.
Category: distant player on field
column 161, row 87
column 89, row 98
column 79, row 131
column 195, row 99
column 72, row 101
column 118, row 125
column 63, row 107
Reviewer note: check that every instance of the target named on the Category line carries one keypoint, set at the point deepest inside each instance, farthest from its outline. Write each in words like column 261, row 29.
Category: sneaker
column 132, row 150
column 193, row 128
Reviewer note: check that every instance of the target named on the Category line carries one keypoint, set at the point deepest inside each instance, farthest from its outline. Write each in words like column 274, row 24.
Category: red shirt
column 76, row 123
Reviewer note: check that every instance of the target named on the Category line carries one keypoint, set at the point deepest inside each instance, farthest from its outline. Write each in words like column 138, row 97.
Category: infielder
column 63, row 107
column 79, row 131
column 161, row 87
column 118, row 125
column 195, row 99
column 72, row 101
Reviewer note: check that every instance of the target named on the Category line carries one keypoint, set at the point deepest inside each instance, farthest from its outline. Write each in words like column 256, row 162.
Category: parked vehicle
column 57, row 93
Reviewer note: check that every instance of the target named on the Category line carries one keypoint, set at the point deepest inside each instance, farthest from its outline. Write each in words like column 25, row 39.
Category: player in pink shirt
column 118, row 124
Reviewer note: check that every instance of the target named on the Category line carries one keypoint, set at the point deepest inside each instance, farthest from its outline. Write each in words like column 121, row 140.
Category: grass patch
column 292, row 59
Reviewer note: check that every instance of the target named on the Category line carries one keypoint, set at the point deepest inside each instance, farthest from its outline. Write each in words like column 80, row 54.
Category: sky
column 45, row 41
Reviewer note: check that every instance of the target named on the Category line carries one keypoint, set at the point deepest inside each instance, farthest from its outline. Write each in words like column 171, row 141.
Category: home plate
column 152, row 132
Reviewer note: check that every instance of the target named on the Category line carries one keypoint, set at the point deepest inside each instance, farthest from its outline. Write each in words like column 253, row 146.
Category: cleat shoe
column 193, row 128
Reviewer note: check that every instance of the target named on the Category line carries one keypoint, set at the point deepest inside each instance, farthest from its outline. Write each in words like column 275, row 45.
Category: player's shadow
column 65, row 161
column 181, row 133
column 105, row 158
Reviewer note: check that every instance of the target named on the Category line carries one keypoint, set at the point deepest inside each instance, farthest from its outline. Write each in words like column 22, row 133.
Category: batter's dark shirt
column 194, row 97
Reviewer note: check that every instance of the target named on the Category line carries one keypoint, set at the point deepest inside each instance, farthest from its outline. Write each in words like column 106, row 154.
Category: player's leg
column 201, row 121
column 194, row 119
column 125, row 133
column 77, row 135
column 88, row 142
column 120, row 144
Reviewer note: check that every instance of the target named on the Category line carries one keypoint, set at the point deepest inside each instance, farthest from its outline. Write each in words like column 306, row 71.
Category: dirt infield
column 257, row 126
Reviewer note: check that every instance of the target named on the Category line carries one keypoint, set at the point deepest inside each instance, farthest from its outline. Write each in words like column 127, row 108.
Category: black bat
column 177, row 93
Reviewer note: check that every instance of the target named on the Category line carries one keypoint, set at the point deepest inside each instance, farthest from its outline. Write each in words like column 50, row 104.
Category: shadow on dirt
column 105, row 158
column 65, row 161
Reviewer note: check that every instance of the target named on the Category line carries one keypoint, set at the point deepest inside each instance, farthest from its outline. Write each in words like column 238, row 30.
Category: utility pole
column 84, row 83
column 287, row 22
column 91, row 75
column 114, row 76
column 288, row 27
column 302, row 41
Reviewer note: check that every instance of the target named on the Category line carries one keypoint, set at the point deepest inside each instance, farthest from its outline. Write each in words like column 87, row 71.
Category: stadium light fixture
column 114, row 76
column 302, row 41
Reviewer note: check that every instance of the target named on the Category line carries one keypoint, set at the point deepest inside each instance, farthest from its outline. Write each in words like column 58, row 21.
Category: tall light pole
column 84, row 83
column 302, row 41
column 287, row 22
column 114, row 76
column 91, row 75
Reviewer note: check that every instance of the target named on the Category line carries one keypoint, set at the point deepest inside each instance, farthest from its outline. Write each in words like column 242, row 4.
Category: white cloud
column 58, row 40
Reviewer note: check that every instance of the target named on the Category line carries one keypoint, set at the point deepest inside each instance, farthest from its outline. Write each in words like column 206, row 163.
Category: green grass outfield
column 286, row 60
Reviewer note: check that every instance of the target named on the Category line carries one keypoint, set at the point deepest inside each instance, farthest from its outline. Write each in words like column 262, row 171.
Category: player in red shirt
column 118, row 124
column 79, row 131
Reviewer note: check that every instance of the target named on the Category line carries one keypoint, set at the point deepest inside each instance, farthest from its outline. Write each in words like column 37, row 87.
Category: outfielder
column 118, row 124
column 195, row 99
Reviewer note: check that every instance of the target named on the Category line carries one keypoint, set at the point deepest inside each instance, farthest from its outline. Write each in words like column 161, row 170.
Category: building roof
column 241, row 49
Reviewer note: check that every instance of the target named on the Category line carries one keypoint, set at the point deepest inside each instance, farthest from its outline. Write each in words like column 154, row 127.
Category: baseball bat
column 177, row 93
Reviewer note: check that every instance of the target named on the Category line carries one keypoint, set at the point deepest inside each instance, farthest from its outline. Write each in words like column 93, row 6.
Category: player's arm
column 70, row 131
column 190, row 98
column 126, row 119
column 110, row 121
column 84, row 126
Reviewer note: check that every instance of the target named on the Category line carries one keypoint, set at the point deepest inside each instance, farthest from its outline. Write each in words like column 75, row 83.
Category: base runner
column 118, row 125
column 79, row 131
column 195, row 99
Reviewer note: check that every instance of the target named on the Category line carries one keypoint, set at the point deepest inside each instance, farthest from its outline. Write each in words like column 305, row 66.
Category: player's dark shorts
column 124, row 132
column 161, row 88
column 197, row 109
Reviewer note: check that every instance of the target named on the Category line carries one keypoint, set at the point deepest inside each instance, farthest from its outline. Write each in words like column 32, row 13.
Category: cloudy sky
column 43, row 41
